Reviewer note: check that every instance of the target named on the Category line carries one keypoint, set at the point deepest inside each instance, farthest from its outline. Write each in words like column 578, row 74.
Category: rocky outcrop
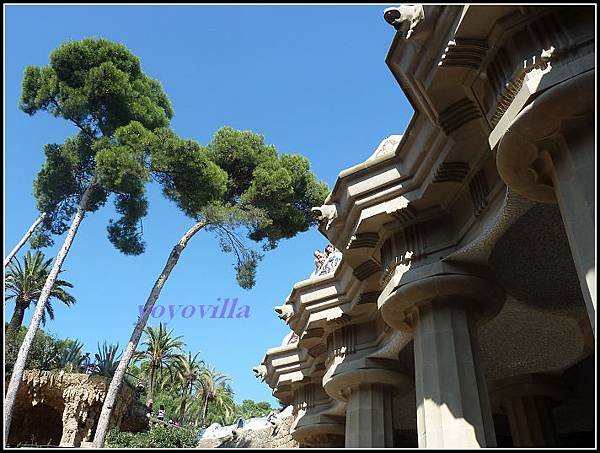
column 273, row 434
column 58, row 408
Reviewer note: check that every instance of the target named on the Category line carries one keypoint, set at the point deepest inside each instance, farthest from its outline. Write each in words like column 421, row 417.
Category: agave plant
column 70, row 356
column 107, row 359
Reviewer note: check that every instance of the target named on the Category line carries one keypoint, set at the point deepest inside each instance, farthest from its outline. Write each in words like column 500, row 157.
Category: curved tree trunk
column 24, row 239
column 117, row 380
column 17, row 375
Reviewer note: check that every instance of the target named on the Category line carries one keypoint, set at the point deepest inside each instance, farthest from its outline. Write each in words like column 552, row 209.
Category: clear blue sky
column 312, row 80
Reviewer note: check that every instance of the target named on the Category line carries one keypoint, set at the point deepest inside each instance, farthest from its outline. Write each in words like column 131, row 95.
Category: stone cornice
column 317, row 300
column 286, row 366
column 405, row 174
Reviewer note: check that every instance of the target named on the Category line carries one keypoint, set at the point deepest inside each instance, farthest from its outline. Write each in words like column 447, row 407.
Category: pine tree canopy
column 237, row 183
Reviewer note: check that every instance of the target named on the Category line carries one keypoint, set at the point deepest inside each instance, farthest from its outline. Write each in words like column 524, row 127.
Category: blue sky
column 312, row 80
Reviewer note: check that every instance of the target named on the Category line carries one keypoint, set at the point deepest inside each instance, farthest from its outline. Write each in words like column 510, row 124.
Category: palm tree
column 214, row 388
column 223, row 405
column 161, row 353
column 24, row 284
column 187, row 374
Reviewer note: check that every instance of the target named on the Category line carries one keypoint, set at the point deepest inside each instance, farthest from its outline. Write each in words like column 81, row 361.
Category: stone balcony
column 467, row 242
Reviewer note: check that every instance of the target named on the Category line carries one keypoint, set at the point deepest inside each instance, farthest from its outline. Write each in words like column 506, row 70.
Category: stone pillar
column 530, row 421
column 453, row 409
column 368, row 386
column 572, row 171
column 527, row 400
column 369, row 416
column 72, row 435
column 91, row 419
column 313, row 424
column 547, row 155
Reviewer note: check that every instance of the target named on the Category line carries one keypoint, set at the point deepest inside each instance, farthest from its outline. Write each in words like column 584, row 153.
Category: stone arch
column 36, row 425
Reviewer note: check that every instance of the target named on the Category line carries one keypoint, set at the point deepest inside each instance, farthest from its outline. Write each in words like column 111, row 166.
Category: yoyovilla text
column 223, row 309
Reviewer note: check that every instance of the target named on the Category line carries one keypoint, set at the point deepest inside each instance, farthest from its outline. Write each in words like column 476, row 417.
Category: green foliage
column 249, row 409
column 239, row 153
column 283, row 187
column 60, row 183
column 221, row 407
column 160, row 353
column 187, row 175
column 99, row 86
column 169, row 397
column 238, row 183
column 46, row 351
column 157, row 437
column 268, row 198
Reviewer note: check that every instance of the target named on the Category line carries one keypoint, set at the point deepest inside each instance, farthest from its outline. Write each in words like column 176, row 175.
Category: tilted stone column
column 369, row 416
column 368, row 387
column 313, row 426
column 527, row 401
column 452, row 402
column 547, row 155
column 453, row 409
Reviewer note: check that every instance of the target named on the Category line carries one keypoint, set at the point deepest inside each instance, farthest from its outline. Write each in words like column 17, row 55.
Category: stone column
column 313, row 426
column 530, row 421
column 368, row 387
column 572, row 169
column 72, row 435
column 453, row 409
column 547, row 155
column 527, row 400
column 369, row 416
column 452, row 403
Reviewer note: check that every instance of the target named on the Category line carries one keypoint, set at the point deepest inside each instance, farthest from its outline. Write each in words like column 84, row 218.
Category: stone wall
column 58, row 408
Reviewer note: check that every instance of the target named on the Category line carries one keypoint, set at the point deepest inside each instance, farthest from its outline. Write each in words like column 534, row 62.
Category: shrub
column 157, row 437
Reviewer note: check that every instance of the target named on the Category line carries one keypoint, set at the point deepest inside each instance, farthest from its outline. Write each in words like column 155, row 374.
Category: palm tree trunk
column 151, row 384
column 16, row 321
column 117, row 380
column 204, row 410
column 24, row 239
column 19, row 368
column 184, row 396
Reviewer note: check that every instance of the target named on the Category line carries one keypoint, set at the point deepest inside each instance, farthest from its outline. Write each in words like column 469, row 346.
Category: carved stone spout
column 260, row 372
column 285, row 312
column 404, row 18
column 326, row 212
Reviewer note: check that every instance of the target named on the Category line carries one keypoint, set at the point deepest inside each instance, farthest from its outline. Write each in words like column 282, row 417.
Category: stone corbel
column 524, row 152
column 393, row 346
